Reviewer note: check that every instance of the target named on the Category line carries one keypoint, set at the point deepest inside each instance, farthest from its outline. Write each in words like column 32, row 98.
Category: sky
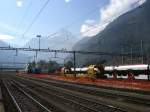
column 20, row 19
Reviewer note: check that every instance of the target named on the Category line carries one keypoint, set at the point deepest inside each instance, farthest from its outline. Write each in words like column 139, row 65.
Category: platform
column 1, row 102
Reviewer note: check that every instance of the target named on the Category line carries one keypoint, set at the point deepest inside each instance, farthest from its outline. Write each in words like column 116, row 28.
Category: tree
column 33, row 64
column 69, row 64
column 53, row 66
column 42, row 64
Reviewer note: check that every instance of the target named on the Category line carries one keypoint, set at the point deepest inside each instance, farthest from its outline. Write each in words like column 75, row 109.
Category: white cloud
column 7, row 27
column 67, row 1
column 90, row 28
column 16, row 36
column 6, row 37
column 19, row 3
column 114, row 9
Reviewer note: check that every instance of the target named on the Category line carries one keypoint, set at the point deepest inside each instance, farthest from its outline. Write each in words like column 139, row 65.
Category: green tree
column 53, row 66
column 42, row 64
column 69, row 64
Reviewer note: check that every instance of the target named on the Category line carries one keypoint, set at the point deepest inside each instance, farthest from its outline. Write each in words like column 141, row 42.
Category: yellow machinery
column 91, row 71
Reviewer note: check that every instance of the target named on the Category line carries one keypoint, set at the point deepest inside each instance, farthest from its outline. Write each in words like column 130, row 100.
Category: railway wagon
column 139, row 72
column 130, row 72
column 92, row 71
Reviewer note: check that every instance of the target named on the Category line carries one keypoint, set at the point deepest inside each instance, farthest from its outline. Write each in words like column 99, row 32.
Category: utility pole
column 39, row 36
column 131, row 56
column 122, row 57
column 74, row 62
column 14, row 60
column 64, row 62
column 34, row 58
column 142, row 58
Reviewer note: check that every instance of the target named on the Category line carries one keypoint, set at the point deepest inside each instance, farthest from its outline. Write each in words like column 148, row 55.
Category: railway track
column 129, row 96
column 69, row 97
column 1, row 101
column 125, row 96
column 23, row 101
column 76, row 102
column 103, row 87
column 141, row 103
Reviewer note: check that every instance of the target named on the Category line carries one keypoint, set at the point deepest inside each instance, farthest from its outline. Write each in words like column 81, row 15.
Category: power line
column 107, row 22
column 7, row 62
column 91, row 12
column 68, row 51
column 78, row 34
column 36, row 17
column 71, row 24
column 86, row 15
column 25, row 14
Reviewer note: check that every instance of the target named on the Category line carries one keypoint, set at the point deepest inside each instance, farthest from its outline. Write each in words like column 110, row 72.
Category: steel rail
column 32, row 98
column 75, row 103
column 27, row 95
column 56, row 89
column 12, row 97
column 113, row 93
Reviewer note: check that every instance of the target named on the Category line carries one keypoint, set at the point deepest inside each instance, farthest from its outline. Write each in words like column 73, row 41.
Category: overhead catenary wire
column 67, row 26
column 91, row 12
column 36, row 16
column 25, row 14
column 88, row 30
column 66, row 51
column 106, row 22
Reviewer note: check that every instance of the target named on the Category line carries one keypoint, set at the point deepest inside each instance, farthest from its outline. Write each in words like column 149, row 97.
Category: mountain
column 129, row 32
column 62, row 40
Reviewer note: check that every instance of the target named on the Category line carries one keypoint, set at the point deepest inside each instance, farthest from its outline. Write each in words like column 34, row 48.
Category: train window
column 110, row 74
column 119, row 74
column 124, row 74
column 136, row 74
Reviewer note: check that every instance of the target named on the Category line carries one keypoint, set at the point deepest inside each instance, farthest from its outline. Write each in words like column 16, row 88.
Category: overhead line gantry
column 66, row 51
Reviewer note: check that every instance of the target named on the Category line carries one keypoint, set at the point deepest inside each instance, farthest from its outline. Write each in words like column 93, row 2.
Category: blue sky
column 17, row 15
